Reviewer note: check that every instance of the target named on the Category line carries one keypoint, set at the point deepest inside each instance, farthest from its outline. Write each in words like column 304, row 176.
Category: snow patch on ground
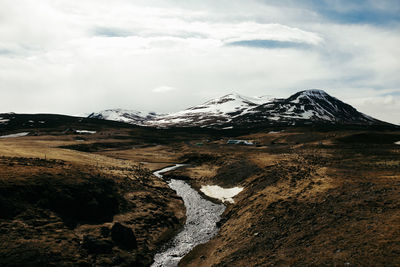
column 85, row 132
column 15, row 135
column 223, row 194
column 397, row 143
column 4, row 120
column 167, row 169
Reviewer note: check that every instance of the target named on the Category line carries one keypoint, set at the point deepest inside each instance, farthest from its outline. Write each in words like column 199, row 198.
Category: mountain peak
column 313, row 93
column 310, row 94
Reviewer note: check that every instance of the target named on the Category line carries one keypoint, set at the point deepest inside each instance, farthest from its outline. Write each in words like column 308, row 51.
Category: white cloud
column 82, row 56
column 386, row 108
column 163, row 89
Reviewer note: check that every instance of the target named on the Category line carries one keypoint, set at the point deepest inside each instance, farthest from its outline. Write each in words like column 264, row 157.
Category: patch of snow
column 274, row 118
column 296, row 101
column 227, row 128
column 307, row 114
column 167, row 169
column 223, row 194
column 397, row 143
column 85, row 132
column 31, row 121
column 4, row 120
column 15, row 135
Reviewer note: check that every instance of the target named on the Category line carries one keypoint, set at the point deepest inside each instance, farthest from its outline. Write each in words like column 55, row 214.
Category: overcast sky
column 74, row 57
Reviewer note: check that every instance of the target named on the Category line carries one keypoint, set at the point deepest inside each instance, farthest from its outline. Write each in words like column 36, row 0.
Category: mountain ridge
column 236, row 110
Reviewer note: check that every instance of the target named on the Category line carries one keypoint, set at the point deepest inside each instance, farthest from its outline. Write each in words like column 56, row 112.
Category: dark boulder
column 104, row 231
column 123, row 236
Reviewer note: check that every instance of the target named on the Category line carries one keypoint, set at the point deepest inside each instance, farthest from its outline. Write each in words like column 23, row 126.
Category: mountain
column 237, row 111
column 123, row 115
column 305, row 107
column 215, row 112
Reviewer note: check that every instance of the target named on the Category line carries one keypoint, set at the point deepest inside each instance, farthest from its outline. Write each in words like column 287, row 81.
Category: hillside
column 62, row 207
column 312, row 195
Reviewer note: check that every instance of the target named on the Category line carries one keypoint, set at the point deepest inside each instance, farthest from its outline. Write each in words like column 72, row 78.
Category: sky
column 77, row 57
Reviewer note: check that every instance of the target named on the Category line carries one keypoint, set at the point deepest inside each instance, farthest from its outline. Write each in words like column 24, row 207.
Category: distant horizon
column 171, row 112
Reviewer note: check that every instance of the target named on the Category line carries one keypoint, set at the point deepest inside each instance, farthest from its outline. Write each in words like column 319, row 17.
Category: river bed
column 201, row 218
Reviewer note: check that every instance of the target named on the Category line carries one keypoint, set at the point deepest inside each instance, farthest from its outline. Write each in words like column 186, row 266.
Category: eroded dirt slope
column 57, row 213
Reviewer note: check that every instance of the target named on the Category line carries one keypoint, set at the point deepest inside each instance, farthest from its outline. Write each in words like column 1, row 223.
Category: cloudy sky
column 75, row 57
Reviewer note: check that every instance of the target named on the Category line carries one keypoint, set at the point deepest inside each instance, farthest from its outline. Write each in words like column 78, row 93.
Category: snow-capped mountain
column 214, row 112
column 234, row 110
column 305, row 107
column 123, row 115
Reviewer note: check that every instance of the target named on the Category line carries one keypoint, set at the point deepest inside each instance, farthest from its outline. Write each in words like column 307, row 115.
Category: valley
column 311, row 195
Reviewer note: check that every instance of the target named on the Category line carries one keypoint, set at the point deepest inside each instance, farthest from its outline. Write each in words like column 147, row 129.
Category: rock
column 97, row 246
column 104, row 231
column 123, row 236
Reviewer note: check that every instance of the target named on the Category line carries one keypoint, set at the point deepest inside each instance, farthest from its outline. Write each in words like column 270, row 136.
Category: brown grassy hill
column 60, row 207
column 309, row 199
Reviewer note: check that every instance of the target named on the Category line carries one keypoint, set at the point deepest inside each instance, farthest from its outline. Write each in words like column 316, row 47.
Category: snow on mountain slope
column 213, row 112
column 123, row 115
column 234, row 110
column 305, row 107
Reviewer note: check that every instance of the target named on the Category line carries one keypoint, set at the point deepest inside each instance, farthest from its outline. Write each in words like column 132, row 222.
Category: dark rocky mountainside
column 305, row 107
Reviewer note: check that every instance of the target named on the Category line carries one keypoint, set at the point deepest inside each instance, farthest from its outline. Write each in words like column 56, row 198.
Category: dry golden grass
column 345, row 211
column 27, row 164
column 36, row 147
column 310, row 201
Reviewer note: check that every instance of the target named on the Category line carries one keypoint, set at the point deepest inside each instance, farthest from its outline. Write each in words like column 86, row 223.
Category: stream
column 201, row 218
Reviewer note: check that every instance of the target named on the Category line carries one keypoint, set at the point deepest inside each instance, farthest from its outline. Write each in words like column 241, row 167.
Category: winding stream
column 201, row 218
